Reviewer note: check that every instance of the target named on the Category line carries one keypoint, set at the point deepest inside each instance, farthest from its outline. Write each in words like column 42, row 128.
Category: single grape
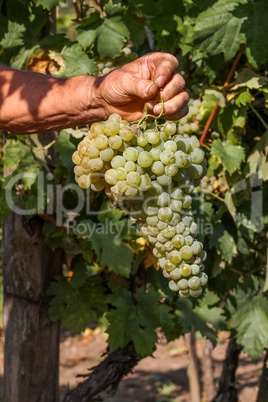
column 145, row 159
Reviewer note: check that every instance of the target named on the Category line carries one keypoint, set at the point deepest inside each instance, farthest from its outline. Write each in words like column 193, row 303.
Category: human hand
column 126, row 90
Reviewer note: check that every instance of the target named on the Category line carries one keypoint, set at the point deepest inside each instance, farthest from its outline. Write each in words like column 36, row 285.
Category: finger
column 165, row 65
column 172, row 88
column 178, row 115
column 173, row 106
column 141, row 88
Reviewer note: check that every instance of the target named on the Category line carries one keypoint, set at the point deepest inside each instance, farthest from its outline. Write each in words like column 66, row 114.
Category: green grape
column 96, row 164
column 133, row 179
column 111, row 127
column 194, row 282
column 170, row 128
column 167, row 157
column 165, row 214
column 173, row 286
column 182, row 159
column 164, row 180
column 145, row 159
column 118, row 161
column 183, row 284
column 131, row 154
column 152, row 220
column 163, row 199
column 186, row 252
column 97, row 129
column 175, row 257
column 171, row 170
column 98, row 186
column 130, row 166
column 158, row 168
column 155, row 152
column 84, row 181
column 176, row 274
column 153, row 136
column 106, row 154
column 126, row 133
column 178, row 241
column 169, row 232
column 92, row 151
column 145, row 182
column 76, row 158
column 110, row 177
column 142, row 140
column 186, row 270
column 170, row 145
column 121, row 173
column 115, row 117
column 195, row 292
column 115, row 142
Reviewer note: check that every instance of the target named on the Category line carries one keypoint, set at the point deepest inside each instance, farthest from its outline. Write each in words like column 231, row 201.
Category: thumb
column 144, row 89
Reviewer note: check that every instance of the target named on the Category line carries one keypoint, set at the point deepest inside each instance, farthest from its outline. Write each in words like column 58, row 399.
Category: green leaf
column 76, row 62
column 205, row 317
column 257, row 160
column 230, row 155
column 244, row 97
column 48, row 4
column 223, row 242
column 65, row 148
column 107, row 239
column 255, row 30
column 217, row 30
column 76, row 306
column 111, row 37
column 15, row 152
column 250, row 320
column 108, row 34
column 135, row 319
column 249, row 79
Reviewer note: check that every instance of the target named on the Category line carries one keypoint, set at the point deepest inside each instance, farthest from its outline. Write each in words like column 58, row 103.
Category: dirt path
column 168, row 366
column 167, row 370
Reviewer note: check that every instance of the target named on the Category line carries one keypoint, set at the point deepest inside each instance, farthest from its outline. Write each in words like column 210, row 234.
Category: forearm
column 34, row 103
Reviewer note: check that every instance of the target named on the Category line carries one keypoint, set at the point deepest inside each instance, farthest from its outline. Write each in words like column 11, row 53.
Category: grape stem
column 214, row 111
column 148, row 115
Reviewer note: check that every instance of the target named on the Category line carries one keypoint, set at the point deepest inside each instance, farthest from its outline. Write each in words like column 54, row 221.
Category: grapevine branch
column 104, row 379
column 214, row 111
column 77, row 11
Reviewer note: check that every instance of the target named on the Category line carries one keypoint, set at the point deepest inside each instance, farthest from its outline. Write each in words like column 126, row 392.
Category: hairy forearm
column 34, row 103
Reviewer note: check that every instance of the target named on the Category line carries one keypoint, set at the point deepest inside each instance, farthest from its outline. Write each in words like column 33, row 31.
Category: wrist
column 93, row 102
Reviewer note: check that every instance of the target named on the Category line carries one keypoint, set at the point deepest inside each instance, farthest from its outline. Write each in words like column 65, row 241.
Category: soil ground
column 152, row 376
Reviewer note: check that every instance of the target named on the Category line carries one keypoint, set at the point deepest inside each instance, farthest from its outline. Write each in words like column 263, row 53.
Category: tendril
column 148, row 115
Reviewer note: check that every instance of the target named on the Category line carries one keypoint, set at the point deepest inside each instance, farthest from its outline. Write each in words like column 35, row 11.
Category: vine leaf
column 68, row 299
column 231, row 156
column 217, row 30
column 75, row 62
column 250, row 320
column 48, row 4
column 65, row 148
column 136, row 321
column 205, row 317
column 108, row 34
column 223, row 242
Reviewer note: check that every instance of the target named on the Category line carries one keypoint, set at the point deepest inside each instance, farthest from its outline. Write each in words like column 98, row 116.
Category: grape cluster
column 153, row 171
column 190, row 124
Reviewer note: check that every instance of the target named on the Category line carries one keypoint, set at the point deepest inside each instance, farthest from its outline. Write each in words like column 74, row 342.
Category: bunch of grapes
column 190, row 124
column 152, row 170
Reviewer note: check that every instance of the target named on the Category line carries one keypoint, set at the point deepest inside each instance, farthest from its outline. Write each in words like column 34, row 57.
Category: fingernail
column 157, row 109
column 160, row 81
column 148, row 90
